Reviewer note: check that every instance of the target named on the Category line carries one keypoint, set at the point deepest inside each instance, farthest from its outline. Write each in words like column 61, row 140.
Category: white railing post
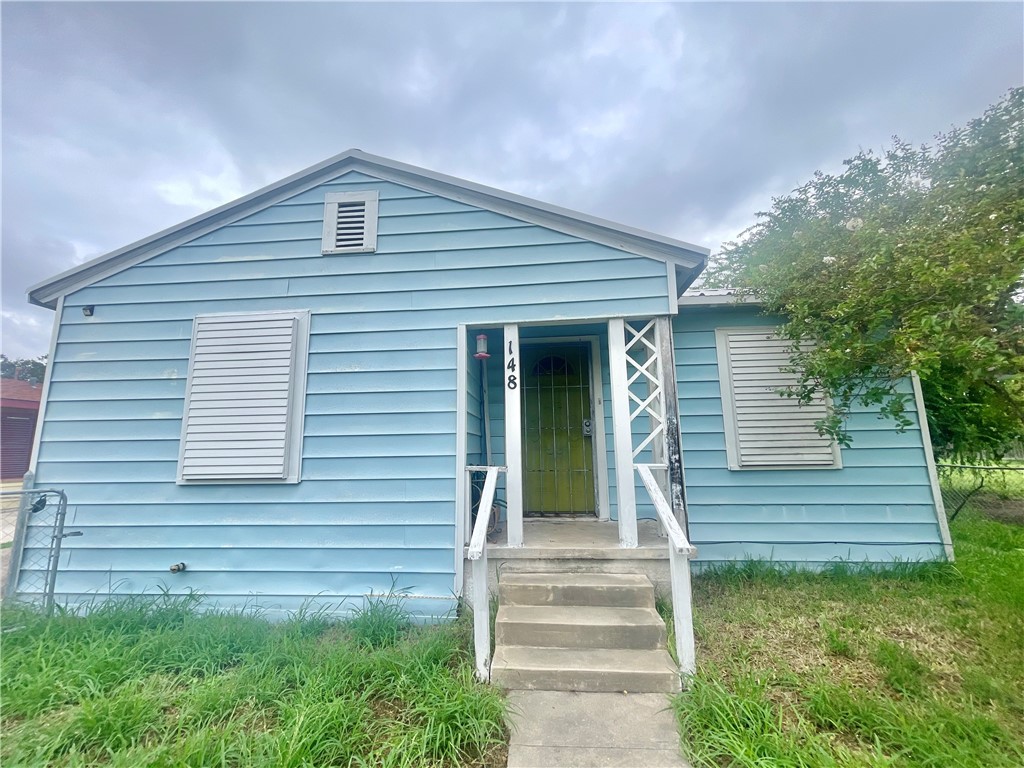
column 682, row 611
column 481, row 618
column 477, row 556
column 680, row 552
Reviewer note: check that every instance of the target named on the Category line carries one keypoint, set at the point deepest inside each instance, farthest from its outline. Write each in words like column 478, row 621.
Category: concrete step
column 623, row 590
column 593, row 669
column 579, row 626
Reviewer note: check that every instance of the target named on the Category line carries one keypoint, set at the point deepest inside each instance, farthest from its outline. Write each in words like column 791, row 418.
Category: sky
column 121, row 119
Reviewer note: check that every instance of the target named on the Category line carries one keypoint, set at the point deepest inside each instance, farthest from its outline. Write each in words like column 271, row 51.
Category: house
column 19, row 405
column 298, row 396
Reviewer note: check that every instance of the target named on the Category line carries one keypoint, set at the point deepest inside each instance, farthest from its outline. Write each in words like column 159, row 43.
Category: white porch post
column 513, row 437
column 623, row 439
column 462, row 493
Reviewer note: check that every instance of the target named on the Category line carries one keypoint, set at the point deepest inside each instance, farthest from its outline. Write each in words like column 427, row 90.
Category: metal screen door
column 558, row 450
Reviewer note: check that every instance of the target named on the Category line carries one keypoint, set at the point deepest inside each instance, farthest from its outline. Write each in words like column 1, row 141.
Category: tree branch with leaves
column 28, row 369
column 912, row 260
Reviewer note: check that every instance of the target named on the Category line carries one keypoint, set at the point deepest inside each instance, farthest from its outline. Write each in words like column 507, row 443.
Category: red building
column 19, row 406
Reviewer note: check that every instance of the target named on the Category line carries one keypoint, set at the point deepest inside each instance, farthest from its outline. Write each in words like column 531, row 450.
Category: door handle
column 588, row 428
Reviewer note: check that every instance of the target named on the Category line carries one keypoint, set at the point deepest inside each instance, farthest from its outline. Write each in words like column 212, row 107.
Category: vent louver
column 350, row 225
column 768, row 429
column 241, row 401
column 350, row 222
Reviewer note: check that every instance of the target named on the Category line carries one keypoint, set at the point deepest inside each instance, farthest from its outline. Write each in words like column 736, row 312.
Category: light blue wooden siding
column 376, row 504
column 879, row 507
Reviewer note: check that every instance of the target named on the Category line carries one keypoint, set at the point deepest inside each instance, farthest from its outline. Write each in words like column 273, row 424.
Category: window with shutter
column 763, row 429
column 350, row 222
column 245, row 398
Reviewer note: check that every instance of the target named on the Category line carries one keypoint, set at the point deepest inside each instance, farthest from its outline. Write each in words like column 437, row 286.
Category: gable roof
column 688, row 258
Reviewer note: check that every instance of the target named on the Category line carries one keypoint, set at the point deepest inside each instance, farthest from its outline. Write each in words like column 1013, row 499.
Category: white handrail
column 679, row 572
column 477, row 555
column 668, row 519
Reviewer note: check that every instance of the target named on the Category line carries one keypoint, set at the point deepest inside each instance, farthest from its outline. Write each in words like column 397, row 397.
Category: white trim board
column 673, row 289
column 44, row 395
column 933, row 473
column 461, row 425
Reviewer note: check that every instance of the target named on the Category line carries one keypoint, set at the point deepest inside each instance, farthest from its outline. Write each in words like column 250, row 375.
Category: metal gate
column 35, row 542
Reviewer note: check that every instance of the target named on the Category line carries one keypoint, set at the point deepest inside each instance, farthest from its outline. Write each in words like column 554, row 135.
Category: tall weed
column 154, row 682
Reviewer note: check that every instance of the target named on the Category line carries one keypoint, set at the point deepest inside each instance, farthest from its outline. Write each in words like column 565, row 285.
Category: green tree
column 908, row 261
column 25, row 369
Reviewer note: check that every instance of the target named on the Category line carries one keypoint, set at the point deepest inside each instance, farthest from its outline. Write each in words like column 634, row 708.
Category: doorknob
column 588, row 428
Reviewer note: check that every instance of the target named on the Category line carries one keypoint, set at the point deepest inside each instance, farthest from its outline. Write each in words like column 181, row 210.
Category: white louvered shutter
column 768, row 429
column 241, row 405
column 350, row 222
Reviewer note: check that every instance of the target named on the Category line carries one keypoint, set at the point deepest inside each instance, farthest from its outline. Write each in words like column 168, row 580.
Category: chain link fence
column 997, row 491
column 33, row 531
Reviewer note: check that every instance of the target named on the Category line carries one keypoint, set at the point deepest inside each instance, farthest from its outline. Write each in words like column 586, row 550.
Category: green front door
column 558, row 451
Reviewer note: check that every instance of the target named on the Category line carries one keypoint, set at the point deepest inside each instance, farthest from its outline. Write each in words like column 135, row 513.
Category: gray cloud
column 122, row 119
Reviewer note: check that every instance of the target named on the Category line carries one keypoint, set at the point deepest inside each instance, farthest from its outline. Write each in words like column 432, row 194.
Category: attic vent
column 350, row 222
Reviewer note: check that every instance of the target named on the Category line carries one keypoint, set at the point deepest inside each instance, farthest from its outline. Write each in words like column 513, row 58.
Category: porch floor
column 555, row 538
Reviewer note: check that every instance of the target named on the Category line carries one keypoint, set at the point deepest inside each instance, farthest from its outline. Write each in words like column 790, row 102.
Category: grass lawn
column 153, row 683
column 919, row 666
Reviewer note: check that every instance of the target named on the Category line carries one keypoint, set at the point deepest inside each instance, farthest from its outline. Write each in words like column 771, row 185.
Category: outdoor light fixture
column 88, row 310
column 481, row 347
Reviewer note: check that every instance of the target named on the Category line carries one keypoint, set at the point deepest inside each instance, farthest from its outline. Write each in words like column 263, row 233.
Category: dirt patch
column 792, row 640
column 495, row 757
column 999, row 509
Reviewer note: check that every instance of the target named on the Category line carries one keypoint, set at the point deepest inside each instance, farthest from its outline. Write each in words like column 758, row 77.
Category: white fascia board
column 686, row 255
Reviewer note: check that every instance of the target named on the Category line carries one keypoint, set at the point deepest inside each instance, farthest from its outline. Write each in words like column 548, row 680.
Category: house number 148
column 510, row 365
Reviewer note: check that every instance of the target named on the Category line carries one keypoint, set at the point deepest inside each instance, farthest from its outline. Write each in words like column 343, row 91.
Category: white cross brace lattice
column 644, row 366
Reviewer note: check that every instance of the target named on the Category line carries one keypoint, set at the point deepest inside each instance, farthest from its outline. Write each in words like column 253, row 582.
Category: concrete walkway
column 555, row 729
